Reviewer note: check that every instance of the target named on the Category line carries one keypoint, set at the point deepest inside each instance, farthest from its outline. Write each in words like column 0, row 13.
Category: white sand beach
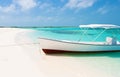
column 21, row 57
column 14, row 59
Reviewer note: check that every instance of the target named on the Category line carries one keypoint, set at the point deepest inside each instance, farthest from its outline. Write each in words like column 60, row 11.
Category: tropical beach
column 30, row 29
column 22, row 56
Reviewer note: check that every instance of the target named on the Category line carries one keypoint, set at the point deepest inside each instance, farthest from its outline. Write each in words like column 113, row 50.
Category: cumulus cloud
column 7, row 9
column 26, row 4
column 21, row 5
column 47, row 7
column 79, row 4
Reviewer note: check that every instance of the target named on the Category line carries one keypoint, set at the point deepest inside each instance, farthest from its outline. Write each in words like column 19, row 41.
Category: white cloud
column 21, row 5
column 79, row 4
column 47, row 7
column 7, row 9
column 26, row 4
column 103, row 10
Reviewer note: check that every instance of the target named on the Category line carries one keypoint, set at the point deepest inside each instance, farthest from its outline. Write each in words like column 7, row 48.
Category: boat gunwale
column 85, row 43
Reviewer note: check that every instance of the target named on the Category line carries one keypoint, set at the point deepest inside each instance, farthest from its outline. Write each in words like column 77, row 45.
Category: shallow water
column 104, row 64
column 76, row 34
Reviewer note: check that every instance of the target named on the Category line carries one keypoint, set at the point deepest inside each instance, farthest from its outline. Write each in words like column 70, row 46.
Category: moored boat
column 56, row 46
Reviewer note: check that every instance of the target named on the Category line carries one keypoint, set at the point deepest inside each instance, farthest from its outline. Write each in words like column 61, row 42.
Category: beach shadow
column 112, row 54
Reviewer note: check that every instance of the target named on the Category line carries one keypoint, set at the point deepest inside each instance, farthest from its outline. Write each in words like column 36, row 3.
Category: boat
column 58, row 46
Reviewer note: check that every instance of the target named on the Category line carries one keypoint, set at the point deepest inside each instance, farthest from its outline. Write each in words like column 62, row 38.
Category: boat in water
column 111, row 43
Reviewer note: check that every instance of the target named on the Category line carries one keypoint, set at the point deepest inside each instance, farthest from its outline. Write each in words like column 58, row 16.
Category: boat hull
column 51, row 51
column 56, row 46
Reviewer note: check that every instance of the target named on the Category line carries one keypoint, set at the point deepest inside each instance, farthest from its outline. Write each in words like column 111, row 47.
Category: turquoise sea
column 76, row 33
column 105, row 64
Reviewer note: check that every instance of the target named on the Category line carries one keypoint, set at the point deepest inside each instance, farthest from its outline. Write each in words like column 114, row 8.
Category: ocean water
column 76, row 33
column 104, row 64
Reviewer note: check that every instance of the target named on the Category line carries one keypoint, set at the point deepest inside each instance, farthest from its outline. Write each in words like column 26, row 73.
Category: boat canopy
column 95, row 26
column 106, row 26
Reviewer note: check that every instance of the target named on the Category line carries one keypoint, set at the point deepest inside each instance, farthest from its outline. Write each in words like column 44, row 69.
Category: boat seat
column 111, row 41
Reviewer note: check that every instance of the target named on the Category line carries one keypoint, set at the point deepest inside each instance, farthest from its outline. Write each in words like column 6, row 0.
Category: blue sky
column 59, row 12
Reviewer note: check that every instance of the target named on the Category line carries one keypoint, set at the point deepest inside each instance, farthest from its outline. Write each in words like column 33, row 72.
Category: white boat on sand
column 58, row 46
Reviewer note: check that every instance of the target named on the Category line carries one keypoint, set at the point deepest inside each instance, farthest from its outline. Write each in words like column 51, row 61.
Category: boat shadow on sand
column 114, row 54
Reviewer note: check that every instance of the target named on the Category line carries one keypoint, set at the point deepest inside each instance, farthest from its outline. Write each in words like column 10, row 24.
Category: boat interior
column 109, row 41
